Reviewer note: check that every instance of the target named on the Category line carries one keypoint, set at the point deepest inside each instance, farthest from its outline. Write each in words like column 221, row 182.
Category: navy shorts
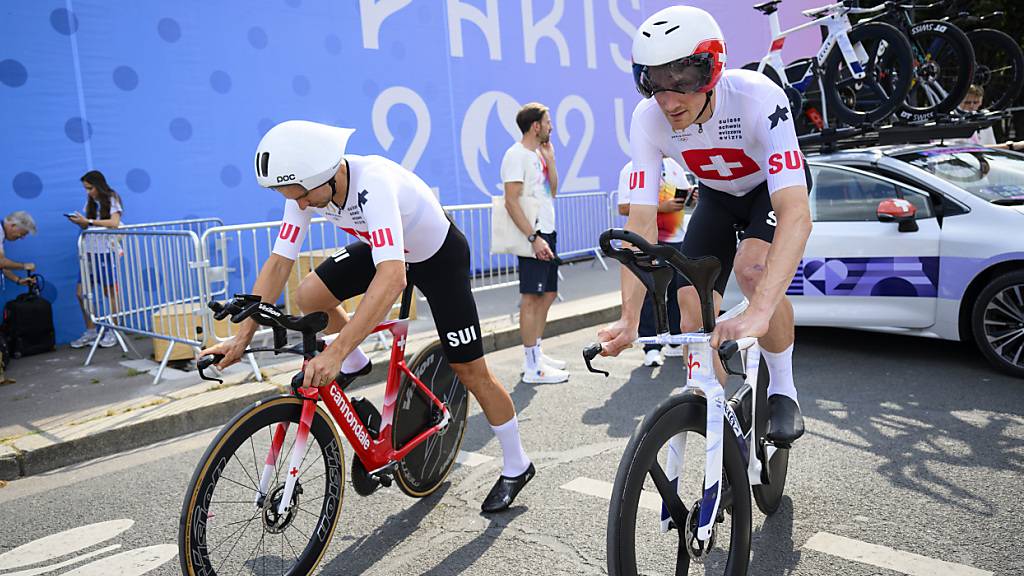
column 539, row 276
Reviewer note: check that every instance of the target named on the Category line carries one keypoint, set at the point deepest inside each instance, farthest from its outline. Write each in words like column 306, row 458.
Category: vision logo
column 64, row 553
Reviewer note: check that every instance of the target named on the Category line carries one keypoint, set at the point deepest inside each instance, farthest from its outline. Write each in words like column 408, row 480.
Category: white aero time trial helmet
column 300, row 152
column 678, row 49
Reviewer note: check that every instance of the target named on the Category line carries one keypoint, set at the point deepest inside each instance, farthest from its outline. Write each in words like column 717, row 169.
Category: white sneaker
column 672, row 351
column 551, row 362
column 108, row 340
column 87, row 338
column 545, row 375
column 653, row 358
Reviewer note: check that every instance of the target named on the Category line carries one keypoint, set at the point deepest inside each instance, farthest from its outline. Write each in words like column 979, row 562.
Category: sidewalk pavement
column 59, row 413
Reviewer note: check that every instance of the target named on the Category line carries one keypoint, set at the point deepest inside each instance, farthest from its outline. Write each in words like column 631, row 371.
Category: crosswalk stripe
column 590, row 487
column 888, row 558
column 472, row 458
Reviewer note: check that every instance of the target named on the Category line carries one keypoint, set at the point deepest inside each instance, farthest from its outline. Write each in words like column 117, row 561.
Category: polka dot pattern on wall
column 61, row 22
column 220, row 81
column 27, row 185
column 13, row 73
column 138, row 180
column 300, row 84
column 293, row 3
column 257, row 38
column 181, row 129
column 169, row 30
column 77, row 131
column 230, row 176
column 126, row 78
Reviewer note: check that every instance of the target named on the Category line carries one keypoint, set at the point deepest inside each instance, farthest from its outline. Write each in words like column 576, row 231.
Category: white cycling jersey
column 748, row 140
column 387, row 207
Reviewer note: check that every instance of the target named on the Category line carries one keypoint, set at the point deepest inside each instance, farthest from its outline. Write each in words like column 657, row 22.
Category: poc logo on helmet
column 285, row 178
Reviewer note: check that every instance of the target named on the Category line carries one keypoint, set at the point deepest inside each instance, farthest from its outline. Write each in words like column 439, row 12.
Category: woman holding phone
column 102, row 210
column 678, row 191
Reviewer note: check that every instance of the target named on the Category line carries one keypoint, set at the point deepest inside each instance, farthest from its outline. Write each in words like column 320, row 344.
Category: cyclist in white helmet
column 734, row 130
column 404, row 235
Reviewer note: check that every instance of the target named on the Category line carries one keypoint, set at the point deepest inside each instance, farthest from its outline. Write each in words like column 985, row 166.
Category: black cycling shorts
column 443, row 279
column 722, row 220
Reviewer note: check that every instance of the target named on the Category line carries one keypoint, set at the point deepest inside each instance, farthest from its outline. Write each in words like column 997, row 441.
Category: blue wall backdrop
column 169, row 99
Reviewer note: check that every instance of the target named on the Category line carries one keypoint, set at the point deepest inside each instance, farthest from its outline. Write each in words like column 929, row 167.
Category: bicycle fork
column 297, row 455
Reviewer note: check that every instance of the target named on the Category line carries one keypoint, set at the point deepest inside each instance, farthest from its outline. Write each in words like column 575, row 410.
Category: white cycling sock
column 515, row 459
column 532, row 357
column 780, row 368
column 355, row 361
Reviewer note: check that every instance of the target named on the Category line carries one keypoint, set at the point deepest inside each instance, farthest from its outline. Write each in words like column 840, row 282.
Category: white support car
column 922, row 240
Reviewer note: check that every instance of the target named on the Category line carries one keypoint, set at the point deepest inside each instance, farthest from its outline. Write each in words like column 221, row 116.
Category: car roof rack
column 914, row 132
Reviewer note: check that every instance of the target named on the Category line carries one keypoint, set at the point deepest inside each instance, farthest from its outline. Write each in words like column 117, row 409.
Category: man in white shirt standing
column 528, row 169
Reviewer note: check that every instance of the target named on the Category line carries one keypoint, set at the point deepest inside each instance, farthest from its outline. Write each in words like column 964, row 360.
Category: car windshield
column 996, row 176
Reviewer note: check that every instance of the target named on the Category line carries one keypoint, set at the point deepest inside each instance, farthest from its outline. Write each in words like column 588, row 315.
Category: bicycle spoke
column 284, row 536
column 676, row 509
column 255, row 483
column 251, row 489
column 310, row 465
column 235, row 545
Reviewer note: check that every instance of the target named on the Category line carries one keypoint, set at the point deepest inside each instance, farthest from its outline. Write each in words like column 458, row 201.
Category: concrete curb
column 35, row 454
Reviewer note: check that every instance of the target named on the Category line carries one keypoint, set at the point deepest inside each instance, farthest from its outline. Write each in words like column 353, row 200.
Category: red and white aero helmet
column 678, row 49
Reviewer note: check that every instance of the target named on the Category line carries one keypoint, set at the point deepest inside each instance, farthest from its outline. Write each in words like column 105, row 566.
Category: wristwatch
column 532, row 237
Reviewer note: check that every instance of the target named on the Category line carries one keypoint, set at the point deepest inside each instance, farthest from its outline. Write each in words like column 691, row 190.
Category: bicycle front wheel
column 636, row 543
column 1000, row 67
column 426, row 466
column 228, row 526
column 888, row 70
column 944, row 69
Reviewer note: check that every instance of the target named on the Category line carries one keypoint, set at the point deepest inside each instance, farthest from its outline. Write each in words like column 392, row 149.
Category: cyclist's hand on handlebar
column 322, row 369
column 231, row 349
column 616, row 337
column 747, row 324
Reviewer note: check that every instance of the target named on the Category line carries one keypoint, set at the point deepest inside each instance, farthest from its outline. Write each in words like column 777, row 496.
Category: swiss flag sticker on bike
column 720, row 163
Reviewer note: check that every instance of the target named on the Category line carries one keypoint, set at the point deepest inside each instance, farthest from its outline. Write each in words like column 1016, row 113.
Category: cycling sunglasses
column 686, row 75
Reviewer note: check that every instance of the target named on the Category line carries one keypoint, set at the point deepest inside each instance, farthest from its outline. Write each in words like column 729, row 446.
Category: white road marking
column 648, row 500
column 888, row 558
column 129, row 563
column 62, row 543
column 68, row 562
column 472, row 458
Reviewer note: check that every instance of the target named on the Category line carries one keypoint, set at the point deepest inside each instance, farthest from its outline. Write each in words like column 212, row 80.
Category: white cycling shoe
column 551, row 362
column 545, row 375
column 672, row 351
column 653, row 358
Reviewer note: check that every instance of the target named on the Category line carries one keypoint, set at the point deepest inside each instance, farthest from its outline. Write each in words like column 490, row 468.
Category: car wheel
column 998, row 322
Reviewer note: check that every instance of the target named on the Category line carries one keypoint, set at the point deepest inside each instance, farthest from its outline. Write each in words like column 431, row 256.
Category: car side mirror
column 898, row 210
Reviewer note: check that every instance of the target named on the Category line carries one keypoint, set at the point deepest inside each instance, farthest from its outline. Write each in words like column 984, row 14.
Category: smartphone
column 680, row 193
column 69, row 215
column 689, row 197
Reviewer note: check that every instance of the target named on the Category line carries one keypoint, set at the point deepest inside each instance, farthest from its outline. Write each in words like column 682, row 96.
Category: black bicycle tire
column 989, row 36
column 257, row 417
column 768, row 497
column 897, row 42
column 408, row 480
column 684, row 412
column 957, row 40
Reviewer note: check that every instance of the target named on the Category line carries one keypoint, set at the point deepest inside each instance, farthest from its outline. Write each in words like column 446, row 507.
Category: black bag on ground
column 28, row 324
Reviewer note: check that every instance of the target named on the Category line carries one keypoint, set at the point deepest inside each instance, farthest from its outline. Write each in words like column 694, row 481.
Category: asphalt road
column 914, row 455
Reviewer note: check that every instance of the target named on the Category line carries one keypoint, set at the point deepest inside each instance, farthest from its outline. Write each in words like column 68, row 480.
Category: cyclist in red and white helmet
column 733, row 129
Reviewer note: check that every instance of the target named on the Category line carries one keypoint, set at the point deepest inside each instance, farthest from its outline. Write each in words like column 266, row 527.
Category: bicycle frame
column 375, row 454
column 701, row 379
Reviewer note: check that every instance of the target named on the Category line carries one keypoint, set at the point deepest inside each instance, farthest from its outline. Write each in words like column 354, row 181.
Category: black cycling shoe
column 345, row 378
column 505, row 491
column 786, row 423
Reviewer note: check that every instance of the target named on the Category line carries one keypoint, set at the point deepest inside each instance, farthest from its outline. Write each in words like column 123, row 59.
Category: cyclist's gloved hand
column 747, row 324
column 616, row 337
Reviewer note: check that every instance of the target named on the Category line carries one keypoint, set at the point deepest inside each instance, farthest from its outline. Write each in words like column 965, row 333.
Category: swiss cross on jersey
column 720, row 163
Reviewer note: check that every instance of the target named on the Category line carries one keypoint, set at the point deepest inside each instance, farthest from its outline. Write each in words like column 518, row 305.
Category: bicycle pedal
column 385, row 480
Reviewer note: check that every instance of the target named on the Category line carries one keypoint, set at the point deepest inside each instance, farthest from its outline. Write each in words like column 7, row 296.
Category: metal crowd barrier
column 147, row 282
column 196, row 225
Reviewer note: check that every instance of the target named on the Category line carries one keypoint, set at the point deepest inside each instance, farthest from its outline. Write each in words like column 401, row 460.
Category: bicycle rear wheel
column 768, row 497
column 1000, row 67
column 889, row 68
column 228, row 527
column 944, row 68
column 423, row 470
column 635, row 543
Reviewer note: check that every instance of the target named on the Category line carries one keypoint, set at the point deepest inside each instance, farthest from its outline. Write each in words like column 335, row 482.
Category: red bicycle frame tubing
column 378, row 453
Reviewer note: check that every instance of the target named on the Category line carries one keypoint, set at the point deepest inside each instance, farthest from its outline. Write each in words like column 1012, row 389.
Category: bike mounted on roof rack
column 943, row 127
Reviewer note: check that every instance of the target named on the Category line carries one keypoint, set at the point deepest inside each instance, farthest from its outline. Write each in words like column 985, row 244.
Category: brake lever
column 591, row 352
column 207, row 361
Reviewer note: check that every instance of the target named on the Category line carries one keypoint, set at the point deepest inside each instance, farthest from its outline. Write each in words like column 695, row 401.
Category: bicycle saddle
column 769, row 7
